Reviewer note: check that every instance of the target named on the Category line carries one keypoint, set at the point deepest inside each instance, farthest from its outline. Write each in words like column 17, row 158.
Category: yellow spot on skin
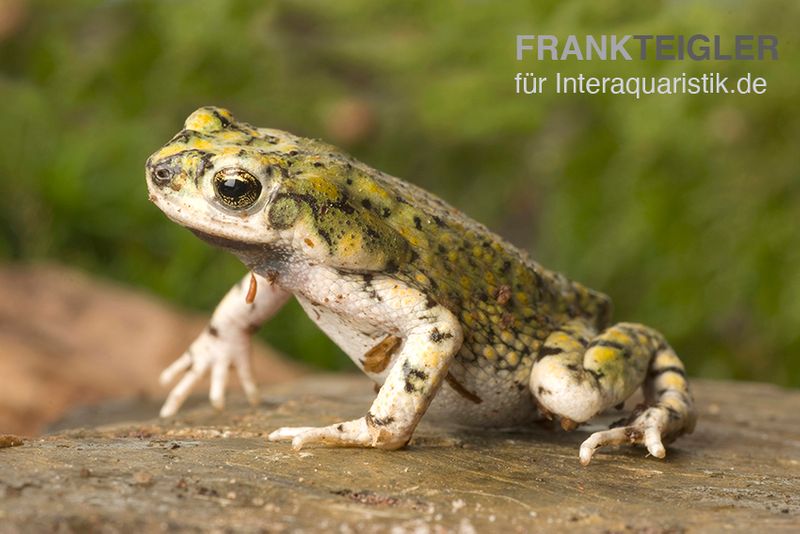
column 522, row 298
column 512, row 358
column 667, row 359
column 374, row 190
column 231, row 136
column 201, row 144
column 489, row 353
column 618, row 336
column 200, row 121
column 323, row 187
column 350, row 244
column 421, row 279
column 603, row 355
column 672, row 381
column 466, row 283
column 507, row 337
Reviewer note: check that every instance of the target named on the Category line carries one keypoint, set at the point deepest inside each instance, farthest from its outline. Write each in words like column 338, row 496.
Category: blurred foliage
column 684, row 209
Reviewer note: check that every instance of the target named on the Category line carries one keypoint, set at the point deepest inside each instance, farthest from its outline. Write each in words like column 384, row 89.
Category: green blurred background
column 684, row 209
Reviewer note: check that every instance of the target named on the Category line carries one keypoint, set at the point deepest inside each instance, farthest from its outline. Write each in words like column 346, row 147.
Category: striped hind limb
column 578, row 375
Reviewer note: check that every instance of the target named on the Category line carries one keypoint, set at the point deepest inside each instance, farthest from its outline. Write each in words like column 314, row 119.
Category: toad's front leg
column 225, row 343
column 432, row 336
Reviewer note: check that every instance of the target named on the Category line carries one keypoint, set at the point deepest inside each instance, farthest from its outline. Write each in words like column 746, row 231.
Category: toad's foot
column 355, row 433
column 651, row 428
column 216, row 353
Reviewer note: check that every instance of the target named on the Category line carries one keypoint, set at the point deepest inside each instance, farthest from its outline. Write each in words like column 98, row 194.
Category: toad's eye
column 236, row 188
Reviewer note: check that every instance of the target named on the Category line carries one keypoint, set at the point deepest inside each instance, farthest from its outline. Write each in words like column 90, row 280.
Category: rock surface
column 68, row 340
column 205, row 470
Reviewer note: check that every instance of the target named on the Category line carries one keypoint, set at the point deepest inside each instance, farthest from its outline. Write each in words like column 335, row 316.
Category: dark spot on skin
column 212, row 330
column 386, row 212
column 670, row 369
column 620, row 406
column 439, row 222
column 391, row 266
column 429, row 302
column 549, row 350
column 438, row 337
column 293, row 153
column 366, row 203
column 401, row 200
column 441, row 249
column 205, row 163
column 319, row 164
column 340, row 428
column 349, row 181
column 377, row 421
column 181, row 137
column 506, row 267
column 573, row 367
column 596, row 374
column 417, row 223
column 413, row 377
column 222, row 120
column 482, row 296
column 325, row 236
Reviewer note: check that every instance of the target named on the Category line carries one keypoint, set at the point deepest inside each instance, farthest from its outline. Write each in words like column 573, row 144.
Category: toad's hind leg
column 578, row 375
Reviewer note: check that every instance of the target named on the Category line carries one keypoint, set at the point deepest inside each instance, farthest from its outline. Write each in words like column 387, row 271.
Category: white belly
column 354, row 337
column 501, row 406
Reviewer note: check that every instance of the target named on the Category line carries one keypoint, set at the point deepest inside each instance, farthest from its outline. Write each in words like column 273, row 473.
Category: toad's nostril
column 162, row 175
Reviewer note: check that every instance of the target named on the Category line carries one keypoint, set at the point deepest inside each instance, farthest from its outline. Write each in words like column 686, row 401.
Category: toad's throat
column 254, row 255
